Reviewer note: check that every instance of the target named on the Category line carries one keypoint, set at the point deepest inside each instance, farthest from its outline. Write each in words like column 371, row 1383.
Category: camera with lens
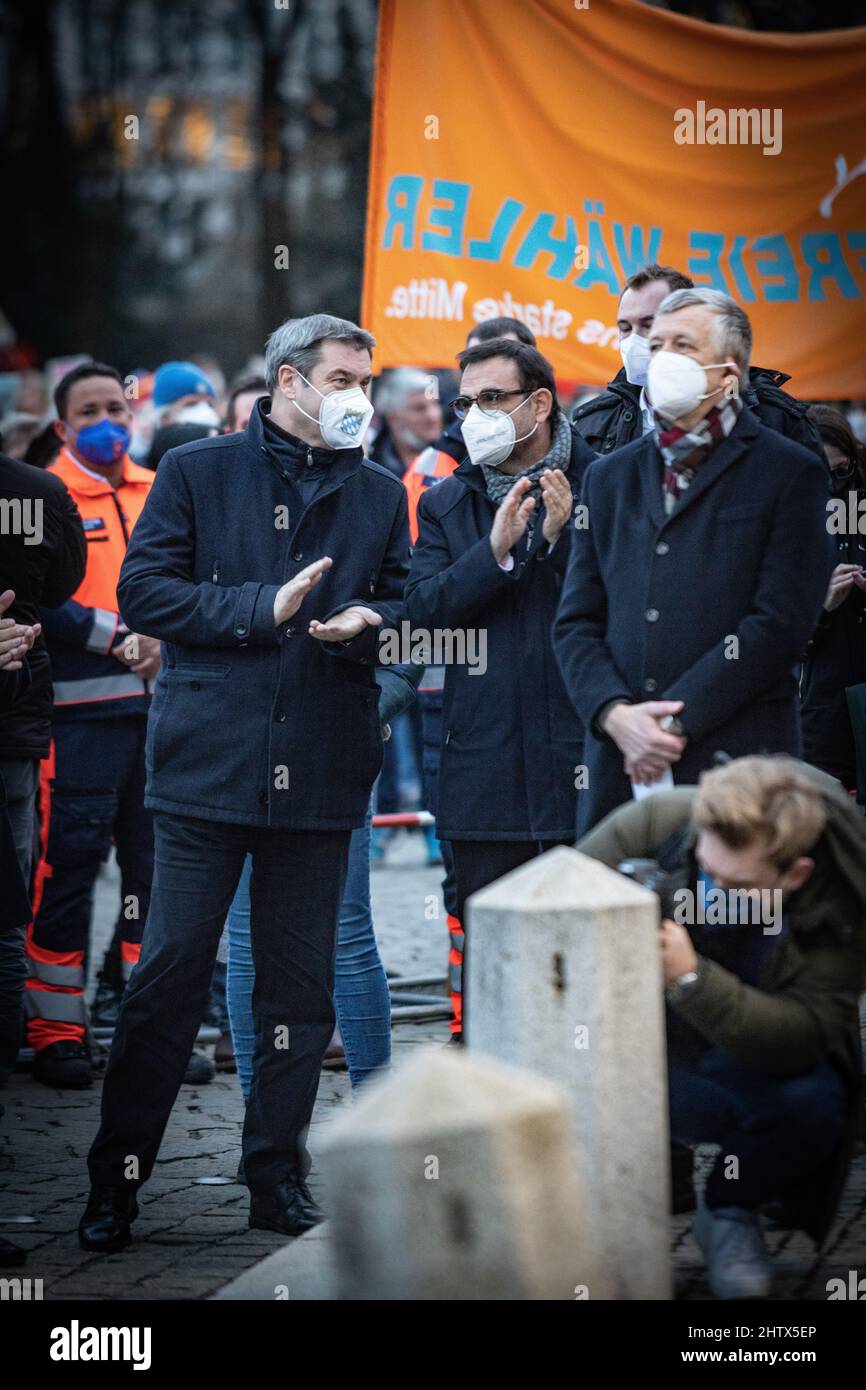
column 650, row 874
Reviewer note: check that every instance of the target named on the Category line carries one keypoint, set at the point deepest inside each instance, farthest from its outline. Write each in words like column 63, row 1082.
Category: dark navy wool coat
column 242, row 708
column 510, row 738
column 650, row 601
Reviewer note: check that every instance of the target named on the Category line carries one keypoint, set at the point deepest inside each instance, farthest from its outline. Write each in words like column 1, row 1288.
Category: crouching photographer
column 762, row 1024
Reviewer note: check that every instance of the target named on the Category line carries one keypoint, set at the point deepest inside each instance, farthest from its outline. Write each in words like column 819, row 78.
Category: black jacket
column 42, row 575
column 835, row 659
column 450, row 440
column 15, row 908
column 511, row 740
column 384, row 452
column 613, row 418
column 651, row 601
column 250, row 723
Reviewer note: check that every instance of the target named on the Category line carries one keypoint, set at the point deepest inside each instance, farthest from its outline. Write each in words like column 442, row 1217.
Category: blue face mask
column 103, row 444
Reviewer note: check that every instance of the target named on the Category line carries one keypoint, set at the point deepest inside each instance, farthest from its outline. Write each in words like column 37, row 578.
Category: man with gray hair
column 408, row 403
column 699, row 577
column 265, row 563
column 623, row 411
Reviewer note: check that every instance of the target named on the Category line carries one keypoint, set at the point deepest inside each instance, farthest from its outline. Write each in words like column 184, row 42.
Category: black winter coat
column 15, row 908
column 250, row 723
column 613, row 419
column 511, row 740
column 835, row 659
column 651, row 601
column 42, row 576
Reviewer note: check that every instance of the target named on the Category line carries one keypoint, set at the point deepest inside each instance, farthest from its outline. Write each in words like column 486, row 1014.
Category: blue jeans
column 361, row 997
column 782, row 1129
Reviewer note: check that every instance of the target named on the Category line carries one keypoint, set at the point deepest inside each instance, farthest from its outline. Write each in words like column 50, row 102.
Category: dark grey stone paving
column 192, row 1240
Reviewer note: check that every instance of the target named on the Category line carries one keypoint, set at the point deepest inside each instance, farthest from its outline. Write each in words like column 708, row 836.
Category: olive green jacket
column 804, row 1010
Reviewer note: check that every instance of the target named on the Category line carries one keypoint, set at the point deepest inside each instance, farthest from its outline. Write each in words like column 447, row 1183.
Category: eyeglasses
column 487, row 401
column 843, row 472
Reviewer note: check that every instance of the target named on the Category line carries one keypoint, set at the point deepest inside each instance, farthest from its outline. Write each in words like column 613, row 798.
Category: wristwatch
column 680, row 988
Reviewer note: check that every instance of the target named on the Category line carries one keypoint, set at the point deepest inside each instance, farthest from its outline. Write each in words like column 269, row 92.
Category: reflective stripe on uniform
column 100, row 688
column 433, row 678
column 102, row 632
column 455, row 969
column 67, row 976
column 55, row 1005
column 431, row 466
column 455, row 931
column 129, row 954
column 425, row 463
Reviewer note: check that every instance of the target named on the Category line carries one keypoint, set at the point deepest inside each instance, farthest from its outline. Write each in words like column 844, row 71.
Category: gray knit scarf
column 499, row 484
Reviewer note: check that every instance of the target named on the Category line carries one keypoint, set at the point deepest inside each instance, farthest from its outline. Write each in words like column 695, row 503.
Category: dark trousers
column 92, row 795
column 780, row 1129
column 19, row 782
column 478, row 863
column 296, row 891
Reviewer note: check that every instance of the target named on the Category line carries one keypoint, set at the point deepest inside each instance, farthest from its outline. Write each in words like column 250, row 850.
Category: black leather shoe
column 199, row 1070
column 289, row 1209
column 11, row 1256
column 105, row 1225
column 65, row 1065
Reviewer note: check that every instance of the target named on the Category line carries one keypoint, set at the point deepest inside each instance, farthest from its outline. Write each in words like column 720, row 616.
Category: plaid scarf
column 683, row 451
column 499, row 484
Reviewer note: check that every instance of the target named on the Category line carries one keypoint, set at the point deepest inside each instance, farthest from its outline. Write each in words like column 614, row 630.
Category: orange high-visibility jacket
column 431, row 466
column 88, row 680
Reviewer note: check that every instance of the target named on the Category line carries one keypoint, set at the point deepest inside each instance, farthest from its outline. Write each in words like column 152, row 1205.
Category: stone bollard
column 456, row 1178
column 564, row 979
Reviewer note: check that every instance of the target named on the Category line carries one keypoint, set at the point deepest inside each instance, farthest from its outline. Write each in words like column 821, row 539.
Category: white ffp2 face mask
column 199, row 414
column 635, row 353
column 490, row 438
column 677, row 384
column 344, row 416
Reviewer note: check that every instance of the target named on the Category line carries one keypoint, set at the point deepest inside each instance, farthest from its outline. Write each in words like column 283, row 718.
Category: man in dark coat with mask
column 622, row 412
column 692, row 592
column 265, row 562
column 492, row 550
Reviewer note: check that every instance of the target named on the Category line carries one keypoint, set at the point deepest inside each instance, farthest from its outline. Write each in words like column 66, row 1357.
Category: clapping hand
column 16, row 639
column 511, row 519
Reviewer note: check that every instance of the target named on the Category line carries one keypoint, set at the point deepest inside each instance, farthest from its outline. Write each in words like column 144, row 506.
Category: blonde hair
column 765, row 799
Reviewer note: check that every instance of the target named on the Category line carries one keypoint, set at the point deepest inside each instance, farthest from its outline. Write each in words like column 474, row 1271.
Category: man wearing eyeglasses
column 492, row 549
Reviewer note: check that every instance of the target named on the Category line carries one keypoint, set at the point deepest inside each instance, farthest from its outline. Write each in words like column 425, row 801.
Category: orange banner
column 528, row 155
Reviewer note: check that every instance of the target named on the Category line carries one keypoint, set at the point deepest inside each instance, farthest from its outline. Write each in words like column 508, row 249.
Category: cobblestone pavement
column 192, row 1239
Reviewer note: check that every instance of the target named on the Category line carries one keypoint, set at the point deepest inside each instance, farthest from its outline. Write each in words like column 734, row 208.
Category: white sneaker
column 732, row 1242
